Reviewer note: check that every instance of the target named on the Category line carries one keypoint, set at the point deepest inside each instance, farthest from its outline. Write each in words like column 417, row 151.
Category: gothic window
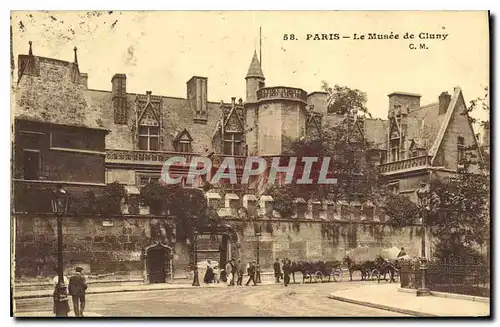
column 460, row 151
column 394, row 150
column 382, row 157
column 233, row 144
column 184, row 146
column 182, row 142
column 145, row 180
column 149, row 138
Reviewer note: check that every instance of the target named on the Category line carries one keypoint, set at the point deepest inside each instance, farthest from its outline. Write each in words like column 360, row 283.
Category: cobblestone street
column 264, row 300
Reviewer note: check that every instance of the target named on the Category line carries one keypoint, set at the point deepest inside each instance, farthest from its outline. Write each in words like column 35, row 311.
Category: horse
column 353, row 266
column 385, row 266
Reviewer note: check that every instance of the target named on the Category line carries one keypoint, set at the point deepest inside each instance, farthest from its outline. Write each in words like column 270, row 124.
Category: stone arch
column 158, row 263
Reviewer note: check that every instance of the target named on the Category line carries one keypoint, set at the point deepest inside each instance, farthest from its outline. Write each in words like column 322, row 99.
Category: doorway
column 158, row 263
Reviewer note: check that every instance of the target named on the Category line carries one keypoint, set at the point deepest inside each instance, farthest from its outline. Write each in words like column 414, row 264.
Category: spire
column 255, row 69
column 30, row 52
column 76, row 57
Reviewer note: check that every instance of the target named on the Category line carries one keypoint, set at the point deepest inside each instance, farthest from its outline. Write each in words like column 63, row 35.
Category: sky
column 161, row 50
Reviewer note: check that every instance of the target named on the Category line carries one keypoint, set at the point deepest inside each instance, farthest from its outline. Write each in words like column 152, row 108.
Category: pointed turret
column 255, row 79
column 255, row 70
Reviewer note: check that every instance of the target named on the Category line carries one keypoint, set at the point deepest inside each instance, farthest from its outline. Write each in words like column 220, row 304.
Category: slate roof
column 255, row 70
column 376, row 132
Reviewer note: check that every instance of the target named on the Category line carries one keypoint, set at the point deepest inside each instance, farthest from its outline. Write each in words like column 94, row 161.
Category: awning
column 266, row 198
column 212, row 195
column 232, row 196
column 132, row 190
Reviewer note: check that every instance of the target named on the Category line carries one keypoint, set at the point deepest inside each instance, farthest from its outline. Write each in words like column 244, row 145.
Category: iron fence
column 467, row 279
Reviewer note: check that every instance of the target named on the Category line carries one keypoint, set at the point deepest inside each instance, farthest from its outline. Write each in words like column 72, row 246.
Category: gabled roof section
column 255, row 70
column 233, row 121
column 183, row 135
column 457, row 96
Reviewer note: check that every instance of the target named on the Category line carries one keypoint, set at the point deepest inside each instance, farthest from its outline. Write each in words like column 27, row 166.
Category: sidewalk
column 387, row 297
column 50, row 314
column 18, row 295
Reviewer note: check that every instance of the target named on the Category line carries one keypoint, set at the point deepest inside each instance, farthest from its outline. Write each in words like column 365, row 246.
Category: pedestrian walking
column 234, row 271
column 229, row 275
column 77, row 288
column 209, row 274
column 286, row 272
column 240, row 271
column 251, row 274
column 277, row 270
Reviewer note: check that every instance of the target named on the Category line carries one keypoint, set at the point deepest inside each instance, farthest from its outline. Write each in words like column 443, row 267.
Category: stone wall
column 114, row 245
column 305, row 240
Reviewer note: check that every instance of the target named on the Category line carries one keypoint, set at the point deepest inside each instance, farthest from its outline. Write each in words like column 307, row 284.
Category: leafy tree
column 459, row 211
column 352, row 158
column 111, row 200
column 344, row 100
column 401, row 210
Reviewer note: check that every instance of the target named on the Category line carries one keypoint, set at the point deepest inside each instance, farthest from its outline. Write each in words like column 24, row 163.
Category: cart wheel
column 375, row 274
column 318, row 276
column 338, row 274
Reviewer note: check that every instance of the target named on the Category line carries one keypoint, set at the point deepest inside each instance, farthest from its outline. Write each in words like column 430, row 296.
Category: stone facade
column 144, row 130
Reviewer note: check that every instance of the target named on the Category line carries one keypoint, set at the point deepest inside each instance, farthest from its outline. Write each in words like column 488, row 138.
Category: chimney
column 119, row 85
column 444, row 102
column 401, row 100
column 197, row 97
column 119, row 98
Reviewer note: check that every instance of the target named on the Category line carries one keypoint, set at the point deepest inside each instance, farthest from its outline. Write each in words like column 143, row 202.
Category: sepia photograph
column 250, row 164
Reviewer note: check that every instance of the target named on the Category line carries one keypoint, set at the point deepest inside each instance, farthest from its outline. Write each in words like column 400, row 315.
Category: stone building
column 112, row 135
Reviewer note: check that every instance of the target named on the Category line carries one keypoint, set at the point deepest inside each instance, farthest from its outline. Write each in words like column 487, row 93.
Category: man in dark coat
column 240, row 270
column 286, row 272
column 401, row 253
column 251, row 274
column 77, row 288
column 234, row 271
column 277, row 270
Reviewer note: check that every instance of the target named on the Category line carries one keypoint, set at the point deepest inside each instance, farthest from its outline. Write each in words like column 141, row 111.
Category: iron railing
column 467, row 279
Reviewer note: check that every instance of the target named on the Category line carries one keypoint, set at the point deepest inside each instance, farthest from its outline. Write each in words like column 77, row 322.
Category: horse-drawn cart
column 319, row 271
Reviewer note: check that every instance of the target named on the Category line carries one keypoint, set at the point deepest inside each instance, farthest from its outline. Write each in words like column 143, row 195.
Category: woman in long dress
column 209, row 274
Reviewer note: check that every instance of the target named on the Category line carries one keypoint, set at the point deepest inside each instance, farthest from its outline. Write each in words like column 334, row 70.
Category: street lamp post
column 196, row 279
column 257, row 235
column 423, row 202
column 59, row 207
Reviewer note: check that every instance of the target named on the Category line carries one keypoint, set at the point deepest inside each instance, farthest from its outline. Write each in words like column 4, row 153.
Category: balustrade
column 280, row 92
column 417, row 162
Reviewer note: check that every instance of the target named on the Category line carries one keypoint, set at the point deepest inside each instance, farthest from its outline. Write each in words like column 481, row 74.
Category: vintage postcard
column 250, row 163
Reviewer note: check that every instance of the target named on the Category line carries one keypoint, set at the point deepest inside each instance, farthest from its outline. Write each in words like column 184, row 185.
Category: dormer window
column 149, row 138
column 233, row 144
column 182, row 142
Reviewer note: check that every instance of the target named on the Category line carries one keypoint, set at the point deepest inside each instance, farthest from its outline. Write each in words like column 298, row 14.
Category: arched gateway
column 224, row 248
column 158, row 263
